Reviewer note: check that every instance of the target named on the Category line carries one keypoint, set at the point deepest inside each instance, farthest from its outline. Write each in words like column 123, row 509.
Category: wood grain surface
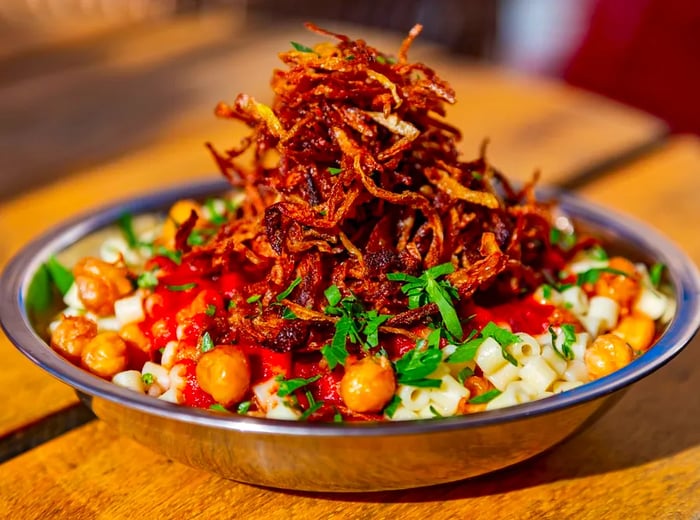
column 640, row 460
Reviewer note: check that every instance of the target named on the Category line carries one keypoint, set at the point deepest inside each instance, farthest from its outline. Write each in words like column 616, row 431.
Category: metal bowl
column 349, row 456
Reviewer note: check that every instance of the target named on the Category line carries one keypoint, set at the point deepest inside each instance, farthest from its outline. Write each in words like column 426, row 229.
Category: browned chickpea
column 368, row 385
column 134, row 336
column 100, row 284
column 637, row 330
column 621, row 288
column 224, row 373
column 105, row 355
column 72, row 334
column 607, row 354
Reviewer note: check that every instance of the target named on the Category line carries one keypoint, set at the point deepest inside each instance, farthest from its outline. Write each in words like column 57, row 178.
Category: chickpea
column 637, row 330
column 72, row 334
column 134, row 336
column 621, row 288
column 224, row 373
column 607, row 354
column 100, row 284
column 368, row 385
column 105, row 355
column 179, row 213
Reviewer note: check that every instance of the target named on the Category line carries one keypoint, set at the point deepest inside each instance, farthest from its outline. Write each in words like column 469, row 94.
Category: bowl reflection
column 348, row 456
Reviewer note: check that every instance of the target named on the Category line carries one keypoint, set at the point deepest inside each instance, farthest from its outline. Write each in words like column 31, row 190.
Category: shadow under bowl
column 348, row 457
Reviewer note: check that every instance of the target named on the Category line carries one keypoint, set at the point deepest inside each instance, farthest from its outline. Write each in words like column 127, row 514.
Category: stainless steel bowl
column 350, row 456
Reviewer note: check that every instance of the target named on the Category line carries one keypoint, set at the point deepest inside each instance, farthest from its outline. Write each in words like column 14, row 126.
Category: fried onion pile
column 352, row 173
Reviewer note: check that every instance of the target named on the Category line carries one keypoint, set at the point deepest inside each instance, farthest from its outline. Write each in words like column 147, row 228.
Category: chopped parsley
column 60, row 274
column 147, row 280
column 217, row 407
column 547, row 291
column 592, row 275
column 210, row 310
column 354, row 324
column 300, row 47
column 467, row 350
column 314, row 406
column 334, row 171
column 393, row 405
column 243, row 407
column 656, row 271
column 464, row 374
column 426, row 288
column 416, row 364
column 569, row 339
column 562, row 239
column 485, row 397
column 214, row 216
column 289, row 386
column 148, row 378
column 281, row 296
column 174, row 256
column 206, row 343
column 254, row 298
column 126, row 225
column 181, row 288
column 597, row 253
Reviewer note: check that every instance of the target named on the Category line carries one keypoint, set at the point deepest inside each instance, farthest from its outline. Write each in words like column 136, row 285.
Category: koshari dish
column 358, row 270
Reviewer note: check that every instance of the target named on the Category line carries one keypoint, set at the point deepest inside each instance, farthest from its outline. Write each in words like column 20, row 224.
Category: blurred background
column 85, row 81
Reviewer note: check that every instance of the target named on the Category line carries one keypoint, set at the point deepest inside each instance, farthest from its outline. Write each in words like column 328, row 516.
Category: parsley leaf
column 562, row 239
column 210, row 310
column 214, row 216
column 206, row 343
column 593, row 274
column 415, row 365
column 147, row 280
column 485, row 397
column 390, row 409
column 60, row 274
column 288, row 386
column 464, row 374
column 217, row 407
column 281, row 296
column 428, row 289
column 597, row 253
column 656, row 271
column 243, row 408
column 301, row 48
column 467, row 350
column 569, row 339
column 254, row 298
column 148, row 378
column 183, row 287
column 334, row 171
column 126, row 224
column 314, row 406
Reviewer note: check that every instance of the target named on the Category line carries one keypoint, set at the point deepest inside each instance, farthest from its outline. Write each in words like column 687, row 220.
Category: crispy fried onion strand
column 365, row 180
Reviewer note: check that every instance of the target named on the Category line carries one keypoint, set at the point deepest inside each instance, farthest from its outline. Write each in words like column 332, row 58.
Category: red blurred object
column 644, row 53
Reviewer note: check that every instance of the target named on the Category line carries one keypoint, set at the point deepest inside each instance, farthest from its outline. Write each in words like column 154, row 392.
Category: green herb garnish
column 254, row 298
column 301, row 48
column 562, row 239
column 126, row 224
column 148, row 378
column 464, row 374
column 569, row 339
column 281, row 296
column 181, row 288
column 206, row 343
column 60, row 274
column 390, row 409
column 656, row 271
column 485, row 397
column 592, row 275
column 428, row 289
column 243, row 407
column 314, row 406
column 214, row 216
column 467, row 350
column 288, row 386
column 334, row 171
column 597, row 253
column 147, row 280
column 218, row 407
column 210, row 310
column 415, row 365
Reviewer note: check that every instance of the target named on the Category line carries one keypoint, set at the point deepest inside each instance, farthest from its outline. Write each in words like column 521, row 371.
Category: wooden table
column 642, row 460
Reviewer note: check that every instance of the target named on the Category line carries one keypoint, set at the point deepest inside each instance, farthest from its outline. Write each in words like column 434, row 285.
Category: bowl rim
column 18, row 272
